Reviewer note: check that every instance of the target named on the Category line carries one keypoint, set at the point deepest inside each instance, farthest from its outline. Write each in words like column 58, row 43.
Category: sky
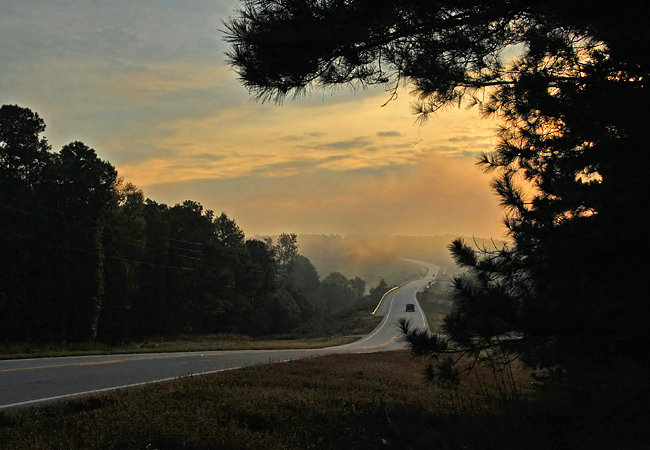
column 146, row 84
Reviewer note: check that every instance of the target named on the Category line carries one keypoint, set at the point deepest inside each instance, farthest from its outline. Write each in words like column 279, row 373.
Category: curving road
column 392, row 307
column 32, row 381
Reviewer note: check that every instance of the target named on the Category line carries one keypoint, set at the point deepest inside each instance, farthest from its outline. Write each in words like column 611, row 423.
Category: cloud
column 292, row 138
column 209, row 156
column 270, row 141
column 467, row 138
column 355, row 143
column 433, row 197
column 302, row 137
column 122, row 32
column 145, row 84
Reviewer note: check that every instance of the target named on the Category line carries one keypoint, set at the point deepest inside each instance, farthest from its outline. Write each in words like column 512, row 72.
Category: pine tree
column 566, row 295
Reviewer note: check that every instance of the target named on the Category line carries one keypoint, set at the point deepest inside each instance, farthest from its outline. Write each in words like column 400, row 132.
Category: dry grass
column 336, row 331
column 169, row 344
column 344, row 401
column 373, row 401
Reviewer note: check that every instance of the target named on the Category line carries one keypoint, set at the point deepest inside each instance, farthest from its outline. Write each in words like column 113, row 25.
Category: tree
column 286, row 252
column 338, row 291
column 567, row 294
column 227, row 232
column 25, row 233
column 358, row 286
column 24, row 152
column 377, row 292
column 303, row 274
column 126, row 245
column 85, row 194
column 52, row 232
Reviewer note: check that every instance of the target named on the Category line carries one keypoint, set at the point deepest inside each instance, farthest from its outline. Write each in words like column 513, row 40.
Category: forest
column 87, row 257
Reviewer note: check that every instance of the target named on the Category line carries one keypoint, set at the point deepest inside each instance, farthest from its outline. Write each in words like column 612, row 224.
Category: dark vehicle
column 410, row 307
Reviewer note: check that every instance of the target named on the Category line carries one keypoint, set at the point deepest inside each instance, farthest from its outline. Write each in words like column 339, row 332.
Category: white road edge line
column 113, row 388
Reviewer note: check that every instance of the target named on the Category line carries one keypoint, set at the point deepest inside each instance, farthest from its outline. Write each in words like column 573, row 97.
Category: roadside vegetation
column 325, row 330
column 346, row 401
column 435, row 300
column 171, row 344
column 371, row 401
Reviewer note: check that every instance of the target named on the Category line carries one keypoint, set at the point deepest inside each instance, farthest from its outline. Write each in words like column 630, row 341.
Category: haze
column 145, row 83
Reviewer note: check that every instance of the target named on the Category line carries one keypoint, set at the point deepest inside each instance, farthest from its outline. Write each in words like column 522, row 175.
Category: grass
column 346, row 401
column 354, row 321
column 371, row 401
column 325, row 332
column 435, row 303
column 170, row 344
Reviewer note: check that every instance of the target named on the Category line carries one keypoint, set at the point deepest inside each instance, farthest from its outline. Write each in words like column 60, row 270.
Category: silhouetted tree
column 286, row 251
column 24, row 151
column 125, row 240
column 86, row 194
column 377, row 292
column 304, row 275
column 338, row 291
column 358, row 286
column 24, row 230
column 227, row 232
column 567, row 295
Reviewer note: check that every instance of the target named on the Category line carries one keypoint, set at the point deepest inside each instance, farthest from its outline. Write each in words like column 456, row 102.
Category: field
column 350, row 401
column 371, row 401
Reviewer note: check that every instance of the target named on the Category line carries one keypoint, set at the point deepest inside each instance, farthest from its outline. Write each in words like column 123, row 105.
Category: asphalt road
column 28, row 382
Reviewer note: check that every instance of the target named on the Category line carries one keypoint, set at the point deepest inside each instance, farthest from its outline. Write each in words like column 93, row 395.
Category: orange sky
column 146, row 85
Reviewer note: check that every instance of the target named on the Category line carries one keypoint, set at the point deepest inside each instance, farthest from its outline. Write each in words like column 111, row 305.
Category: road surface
column 28, row 382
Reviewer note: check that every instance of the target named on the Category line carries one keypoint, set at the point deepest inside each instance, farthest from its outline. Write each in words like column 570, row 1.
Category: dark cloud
column 209, row 156
column 392, row 133
column 349, row 144
column 285, row 168
column 302, row 137
column 292, row 138
column 469, row 154
column 467, row 138
column 144, row 154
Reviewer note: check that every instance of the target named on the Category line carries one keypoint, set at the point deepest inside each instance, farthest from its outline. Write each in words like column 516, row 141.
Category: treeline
column 85, row 256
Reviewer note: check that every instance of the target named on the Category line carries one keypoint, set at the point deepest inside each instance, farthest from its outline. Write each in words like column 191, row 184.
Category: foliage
column 86, row 257
column 286, row 252
column 567, row 295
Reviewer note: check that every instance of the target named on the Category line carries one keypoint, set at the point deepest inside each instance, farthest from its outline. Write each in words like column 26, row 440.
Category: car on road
column 410, row 307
